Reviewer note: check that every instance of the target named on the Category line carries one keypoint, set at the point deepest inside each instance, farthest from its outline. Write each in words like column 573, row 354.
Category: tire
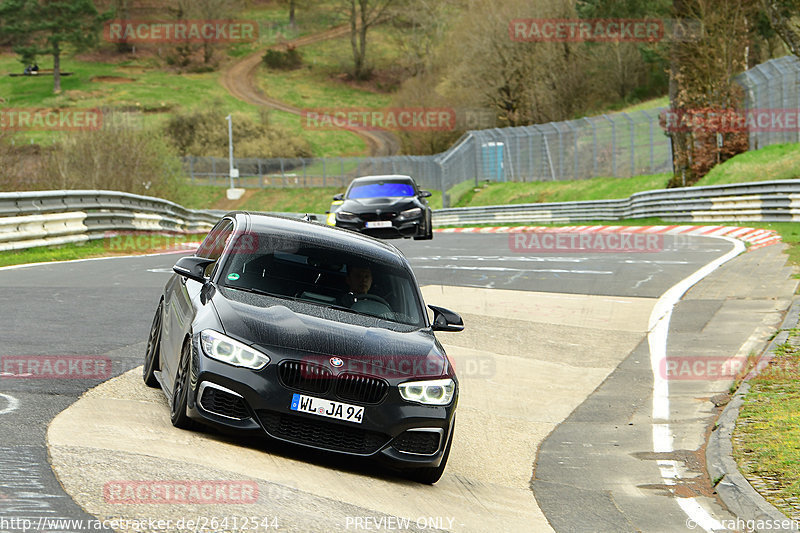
column 430, row 475
column 428, row 235
column 180, row 391
column 152, row 355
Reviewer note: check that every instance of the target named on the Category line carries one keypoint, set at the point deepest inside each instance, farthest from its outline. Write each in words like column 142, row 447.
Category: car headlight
column 433, row 392
column 223, row 348
column 331, row 219
column 413, row 212
column 345, row 216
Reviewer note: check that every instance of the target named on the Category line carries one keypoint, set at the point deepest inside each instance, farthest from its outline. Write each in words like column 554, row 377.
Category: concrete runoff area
column 556, row 396
column 602, row 460
column 525, row 361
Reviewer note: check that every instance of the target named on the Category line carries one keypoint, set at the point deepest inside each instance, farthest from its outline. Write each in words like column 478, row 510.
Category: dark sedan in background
column 310, row 335
column 383, row 206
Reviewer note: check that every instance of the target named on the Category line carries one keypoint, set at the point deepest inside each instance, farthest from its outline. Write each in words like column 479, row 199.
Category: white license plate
column 380, row 224
column 329, row 408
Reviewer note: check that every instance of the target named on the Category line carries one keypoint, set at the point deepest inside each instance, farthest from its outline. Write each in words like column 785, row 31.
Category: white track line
column 13, row 404
column 657, row 339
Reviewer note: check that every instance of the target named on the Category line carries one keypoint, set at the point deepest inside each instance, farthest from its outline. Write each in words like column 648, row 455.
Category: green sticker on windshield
column 233, row 276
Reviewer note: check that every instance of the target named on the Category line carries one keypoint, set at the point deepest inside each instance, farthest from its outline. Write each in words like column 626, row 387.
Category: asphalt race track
column 555, row 425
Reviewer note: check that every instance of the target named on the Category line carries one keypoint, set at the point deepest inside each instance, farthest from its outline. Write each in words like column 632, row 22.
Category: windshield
column 326, row 277
column 384, row 189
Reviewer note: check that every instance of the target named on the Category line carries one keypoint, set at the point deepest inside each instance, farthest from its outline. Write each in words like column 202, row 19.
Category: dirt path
column 239, row 79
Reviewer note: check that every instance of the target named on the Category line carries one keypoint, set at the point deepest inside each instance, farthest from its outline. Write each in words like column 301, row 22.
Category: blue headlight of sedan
column 346, row 216
column 223, row 348
column 413, row 212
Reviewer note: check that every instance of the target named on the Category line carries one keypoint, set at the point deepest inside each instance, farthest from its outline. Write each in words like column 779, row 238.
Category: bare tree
column 523, row 82
column 702, row 75
column 292, row 7
column 784, row 16
column 213, row 10
column 363, row 15
column 425, row 24
column 122, row 11
column 206, row 10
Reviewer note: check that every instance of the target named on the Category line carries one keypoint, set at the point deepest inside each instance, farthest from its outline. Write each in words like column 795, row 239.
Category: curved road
column 555, row 421
column 240, row 80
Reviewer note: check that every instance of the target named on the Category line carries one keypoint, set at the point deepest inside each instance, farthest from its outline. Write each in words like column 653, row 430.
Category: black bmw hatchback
column 385, row 207
column 309, row 335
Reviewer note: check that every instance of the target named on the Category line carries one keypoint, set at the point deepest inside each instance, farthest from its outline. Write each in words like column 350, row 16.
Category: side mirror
column 193, row 268
column 338, row 197
column 424, row 194
column 446, row 320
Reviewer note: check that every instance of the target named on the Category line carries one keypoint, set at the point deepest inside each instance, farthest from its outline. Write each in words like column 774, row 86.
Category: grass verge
column 133, row 243
column 776, row 162
column 766, row 442
column 558, row 191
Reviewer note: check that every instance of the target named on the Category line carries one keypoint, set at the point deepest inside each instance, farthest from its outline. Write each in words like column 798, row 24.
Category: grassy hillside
column 312, row 200
column 146, row 90
column 781, row 161
column 776, row 162
column 559, row 191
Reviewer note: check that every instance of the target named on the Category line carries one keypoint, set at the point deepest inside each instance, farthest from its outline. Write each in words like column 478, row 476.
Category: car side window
column 214, row 243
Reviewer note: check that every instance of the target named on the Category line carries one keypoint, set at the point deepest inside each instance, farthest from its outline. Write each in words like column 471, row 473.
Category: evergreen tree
column 44, row 27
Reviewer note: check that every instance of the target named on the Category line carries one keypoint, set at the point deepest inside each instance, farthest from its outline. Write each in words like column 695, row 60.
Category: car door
column 179, row 298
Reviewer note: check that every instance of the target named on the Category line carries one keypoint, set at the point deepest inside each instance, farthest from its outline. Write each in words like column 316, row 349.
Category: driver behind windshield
column 358, row 279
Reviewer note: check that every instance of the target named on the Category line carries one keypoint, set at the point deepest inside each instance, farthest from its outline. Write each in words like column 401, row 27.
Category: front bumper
column 400, row 227
column 393, row 431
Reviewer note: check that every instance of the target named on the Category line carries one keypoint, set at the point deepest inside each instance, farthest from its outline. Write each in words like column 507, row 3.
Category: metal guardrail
column 767, row 201
column 40, row 218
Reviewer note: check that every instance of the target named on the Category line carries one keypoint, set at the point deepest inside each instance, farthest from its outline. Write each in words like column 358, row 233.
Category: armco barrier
column 41, row 218
column 766, row 201
column 38, row 218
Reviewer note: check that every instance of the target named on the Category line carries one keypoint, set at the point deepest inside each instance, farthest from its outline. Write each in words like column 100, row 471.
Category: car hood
column 370, row 204
column 283, row 332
